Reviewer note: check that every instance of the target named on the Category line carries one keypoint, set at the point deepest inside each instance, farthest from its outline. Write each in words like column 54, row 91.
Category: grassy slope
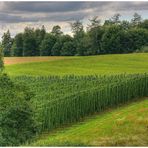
column 104, row 64
column 125, row 126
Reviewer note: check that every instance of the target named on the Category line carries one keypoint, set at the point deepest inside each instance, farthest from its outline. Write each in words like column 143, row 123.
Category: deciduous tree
column 17, row 48
column 47, row 44
column 29, row 42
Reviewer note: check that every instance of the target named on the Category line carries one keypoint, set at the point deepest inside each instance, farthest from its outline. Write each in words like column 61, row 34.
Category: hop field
column 68, row 90
column 62, row 100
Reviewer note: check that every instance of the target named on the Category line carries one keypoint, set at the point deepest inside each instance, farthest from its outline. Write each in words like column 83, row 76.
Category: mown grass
column 103, row 64
column 124, row 126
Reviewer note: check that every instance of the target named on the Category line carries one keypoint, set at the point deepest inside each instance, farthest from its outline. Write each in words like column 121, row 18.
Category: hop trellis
column 61, row 100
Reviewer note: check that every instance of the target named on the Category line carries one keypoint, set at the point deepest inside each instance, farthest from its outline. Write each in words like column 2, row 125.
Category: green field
column 124, row 126
column 61, row 101
column 104, row 64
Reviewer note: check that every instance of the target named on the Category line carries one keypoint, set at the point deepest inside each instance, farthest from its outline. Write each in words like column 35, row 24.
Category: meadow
column 86, row 65
column 70, row 89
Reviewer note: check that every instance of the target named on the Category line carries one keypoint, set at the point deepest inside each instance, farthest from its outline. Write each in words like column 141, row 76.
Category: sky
column 15, row 16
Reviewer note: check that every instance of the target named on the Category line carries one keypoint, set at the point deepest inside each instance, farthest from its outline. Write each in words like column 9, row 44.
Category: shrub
column 1, row 60
column 16, row 114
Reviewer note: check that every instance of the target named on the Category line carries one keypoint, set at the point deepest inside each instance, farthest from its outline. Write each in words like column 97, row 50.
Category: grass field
column 124, row 126
column 104, row 64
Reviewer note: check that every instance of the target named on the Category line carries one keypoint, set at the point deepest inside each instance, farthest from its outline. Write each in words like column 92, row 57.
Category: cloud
column 16, row 15
column 47, row 6
column 13, row 12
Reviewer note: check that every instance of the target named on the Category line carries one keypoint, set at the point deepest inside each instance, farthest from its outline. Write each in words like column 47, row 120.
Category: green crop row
column 61, row 100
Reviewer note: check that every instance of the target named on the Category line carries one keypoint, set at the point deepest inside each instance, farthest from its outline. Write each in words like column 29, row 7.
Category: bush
column 1, row 60
column 16, row 115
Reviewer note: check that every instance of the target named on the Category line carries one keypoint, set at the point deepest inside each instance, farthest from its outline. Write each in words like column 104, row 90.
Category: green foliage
column 68, row 99
column 62, row 100
column 125, row 25
column 77, row 29
column 47, row 45
column 109, row 44
column 39, row 36
column 95, row 36
column 136, row 20
column 16, row 115
column 144, row 24
column 114, row 36
column 115, row 19
column 1, row 59
column 138, row 38
column 79, row 34
column 29, row 42
column 17, row 48
column 83, row 46
column 117, row 40
column 56, row 30
column 7, row 43
column 56, row 50
column 68, row 49
column 143, row 49
column 123, row 126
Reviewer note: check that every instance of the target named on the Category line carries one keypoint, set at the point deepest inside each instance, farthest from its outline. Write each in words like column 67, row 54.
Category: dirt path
column 18, row 60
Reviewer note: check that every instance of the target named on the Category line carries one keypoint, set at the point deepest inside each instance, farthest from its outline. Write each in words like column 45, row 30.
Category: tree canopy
column 112, row 36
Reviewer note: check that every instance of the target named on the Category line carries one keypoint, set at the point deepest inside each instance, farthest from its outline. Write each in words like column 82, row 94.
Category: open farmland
column 67, row 90
column 73, row 77
column 88, row 65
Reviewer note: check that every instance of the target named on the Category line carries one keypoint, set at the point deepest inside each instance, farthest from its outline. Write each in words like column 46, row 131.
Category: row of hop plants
column 62, row 100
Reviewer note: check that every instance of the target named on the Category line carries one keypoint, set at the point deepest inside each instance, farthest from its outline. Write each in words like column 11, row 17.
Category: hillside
column 59, row 101
column 124, row 126
column 71, row 78
column 103, row 64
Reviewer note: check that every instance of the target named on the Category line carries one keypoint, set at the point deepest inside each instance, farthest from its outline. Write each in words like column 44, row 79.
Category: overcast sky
column 15, row 16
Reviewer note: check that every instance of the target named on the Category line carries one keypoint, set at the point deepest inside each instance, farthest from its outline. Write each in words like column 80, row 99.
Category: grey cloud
column 46, row 6
column 69, row 6
column 7, row 18
column 15, row 16
column 13, row 12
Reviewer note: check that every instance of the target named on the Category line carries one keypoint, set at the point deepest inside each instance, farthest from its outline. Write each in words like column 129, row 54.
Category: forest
column 112, row 37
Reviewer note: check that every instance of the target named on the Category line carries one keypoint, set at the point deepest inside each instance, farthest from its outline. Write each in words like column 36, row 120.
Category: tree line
column 113, row 36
